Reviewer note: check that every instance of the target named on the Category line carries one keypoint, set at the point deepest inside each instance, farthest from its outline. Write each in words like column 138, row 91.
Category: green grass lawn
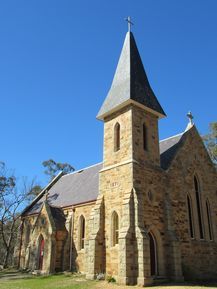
column 12, row 279
column 47, row 282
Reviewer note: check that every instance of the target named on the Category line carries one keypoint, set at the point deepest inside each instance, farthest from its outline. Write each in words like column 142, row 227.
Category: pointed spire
column 130, row 83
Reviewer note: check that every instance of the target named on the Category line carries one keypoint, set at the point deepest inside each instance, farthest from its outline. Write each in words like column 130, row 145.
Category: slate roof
column 130, row 82
column 79, row 187
column 83, row 186
column 58, row 217
column 168, row 149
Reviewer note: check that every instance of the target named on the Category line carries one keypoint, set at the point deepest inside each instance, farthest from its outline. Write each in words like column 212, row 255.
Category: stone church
column 148, row 211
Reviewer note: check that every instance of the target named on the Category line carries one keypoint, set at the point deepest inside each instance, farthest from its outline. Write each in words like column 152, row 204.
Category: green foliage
column 110, row 279
column 7, row 182
column 53, row 168
column 35, row 190
column 210, row 141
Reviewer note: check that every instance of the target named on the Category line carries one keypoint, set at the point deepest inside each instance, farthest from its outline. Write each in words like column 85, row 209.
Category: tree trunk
column 5, row 263
column 8, row 245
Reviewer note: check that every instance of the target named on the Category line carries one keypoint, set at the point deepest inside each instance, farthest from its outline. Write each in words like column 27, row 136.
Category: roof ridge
column 82, row 169
column 41, row 194
column 179, row 134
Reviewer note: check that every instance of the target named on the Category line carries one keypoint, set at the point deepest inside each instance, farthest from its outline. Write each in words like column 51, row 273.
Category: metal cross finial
column 190, row 117
column 128, row 19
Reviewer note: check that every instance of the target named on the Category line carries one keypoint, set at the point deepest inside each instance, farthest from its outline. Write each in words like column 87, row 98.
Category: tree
column 13, row 197
column 53, row 168
column 35, row 190
column 15, row 194
column 210, row 141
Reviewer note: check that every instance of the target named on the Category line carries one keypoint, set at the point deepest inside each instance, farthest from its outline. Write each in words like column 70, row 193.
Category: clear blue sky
column 57, row 60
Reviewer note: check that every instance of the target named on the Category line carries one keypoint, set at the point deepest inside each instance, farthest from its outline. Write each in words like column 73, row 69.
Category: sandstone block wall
column 199, row 257
column 148, row 200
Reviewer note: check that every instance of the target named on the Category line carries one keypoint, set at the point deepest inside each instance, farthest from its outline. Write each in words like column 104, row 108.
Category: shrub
column 110, row 279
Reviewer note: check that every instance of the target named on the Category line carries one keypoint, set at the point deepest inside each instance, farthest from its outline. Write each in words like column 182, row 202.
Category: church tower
column 130, row 180
column 130, row 112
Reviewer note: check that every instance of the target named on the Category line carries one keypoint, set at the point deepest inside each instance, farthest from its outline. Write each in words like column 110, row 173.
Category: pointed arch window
column 115, row 228
column 41, row 246
column 198, row 204
column 153, row 254
column 145, row 137
column 27, row 233
column 190, row 216
column 209, row 219
column 81, row 232
column 117, row 137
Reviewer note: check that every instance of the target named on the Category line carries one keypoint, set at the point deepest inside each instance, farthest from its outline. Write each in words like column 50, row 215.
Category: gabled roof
column 76, row 188
column 42, row 193
column 55, row 216
column 169, row 148
column 130, row 83
column 83, row 186
column 58, row 218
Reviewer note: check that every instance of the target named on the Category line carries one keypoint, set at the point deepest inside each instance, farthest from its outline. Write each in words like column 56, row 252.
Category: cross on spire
column 128, row 19
column 190, row 117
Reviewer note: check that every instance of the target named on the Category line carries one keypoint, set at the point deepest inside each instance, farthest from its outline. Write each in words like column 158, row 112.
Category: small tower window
column 209, row 219
column 117, row 137
column 115, row 228
column 190, row 216
column 198, row 203
column 145, row 138
column 81, row 232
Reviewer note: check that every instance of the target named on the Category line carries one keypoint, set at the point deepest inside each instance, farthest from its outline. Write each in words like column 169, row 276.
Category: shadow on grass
column 8, row 271
column 13, row 273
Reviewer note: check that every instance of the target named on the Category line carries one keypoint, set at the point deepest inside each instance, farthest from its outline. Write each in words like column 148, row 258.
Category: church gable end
column 192, row 178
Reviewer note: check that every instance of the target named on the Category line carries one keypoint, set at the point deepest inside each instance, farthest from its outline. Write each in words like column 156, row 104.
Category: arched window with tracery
column 145, row 137
column 81, row 232
column 209, row 219
column 190, row 216
column 115, row 228
column 199, row 208
column 117, row 137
